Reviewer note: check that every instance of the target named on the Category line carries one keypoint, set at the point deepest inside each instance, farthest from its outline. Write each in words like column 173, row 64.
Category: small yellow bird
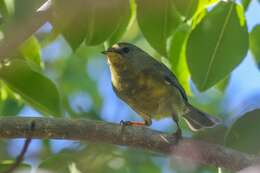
column 151, row 89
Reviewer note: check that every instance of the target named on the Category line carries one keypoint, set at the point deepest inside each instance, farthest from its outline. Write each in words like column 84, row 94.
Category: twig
column 20, row 157
column 137, row 137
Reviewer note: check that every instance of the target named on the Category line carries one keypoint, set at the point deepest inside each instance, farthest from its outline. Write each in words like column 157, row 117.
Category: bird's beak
column 108, row 50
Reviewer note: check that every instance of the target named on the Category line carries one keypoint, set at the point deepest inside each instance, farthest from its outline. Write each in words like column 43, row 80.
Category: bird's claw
column 125, row 123
column 177, row 136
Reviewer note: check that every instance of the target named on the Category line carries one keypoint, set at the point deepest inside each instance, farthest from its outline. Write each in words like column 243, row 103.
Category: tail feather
column 197, row 119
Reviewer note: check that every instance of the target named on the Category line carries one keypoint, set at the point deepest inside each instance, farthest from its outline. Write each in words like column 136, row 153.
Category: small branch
column 137, row 137
column 20, row 157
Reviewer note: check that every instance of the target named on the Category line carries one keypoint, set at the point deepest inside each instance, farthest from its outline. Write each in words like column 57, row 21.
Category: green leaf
column 198, row 17
column 216, row 45
column 244, row 135
column 205, row 3
column 70, row 18
column 187, row 8
column 177, row 56
column 255, row 42
column 24, row 9
column 177, row 42
column 105, row 18
column 202, row 6
column 246, row 3
column 222, row 85
column 33, row 87
column 31, row 50
column 10, row 5
column 157, row 21
column 64, row 158
column 10, row 107
column 91, row 21
column 97, row 154
column 6, row 9
column 5, row 165
column 75, row 35
column 240, row 13
column 127, row 14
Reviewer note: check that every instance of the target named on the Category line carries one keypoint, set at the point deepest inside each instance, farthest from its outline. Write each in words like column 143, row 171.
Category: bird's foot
column 177, row 136
column 132, row 123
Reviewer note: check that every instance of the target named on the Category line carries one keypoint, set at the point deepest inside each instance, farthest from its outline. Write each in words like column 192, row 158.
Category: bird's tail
column 197, row 119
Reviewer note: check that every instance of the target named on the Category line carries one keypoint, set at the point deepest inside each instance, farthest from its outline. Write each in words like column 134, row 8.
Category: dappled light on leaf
column 255, row 42
column 176, row 52
column 31, row 51
column 187, row 8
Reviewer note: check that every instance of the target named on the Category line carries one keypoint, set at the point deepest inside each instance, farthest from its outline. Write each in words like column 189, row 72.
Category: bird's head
column 125, row 54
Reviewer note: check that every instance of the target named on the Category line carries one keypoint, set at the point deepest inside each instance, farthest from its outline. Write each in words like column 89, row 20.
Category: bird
column 151, row 89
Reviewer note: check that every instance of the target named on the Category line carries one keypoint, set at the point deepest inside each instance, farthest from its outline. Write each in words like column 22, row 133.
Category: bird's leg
column 178, row 134
column 133, row 123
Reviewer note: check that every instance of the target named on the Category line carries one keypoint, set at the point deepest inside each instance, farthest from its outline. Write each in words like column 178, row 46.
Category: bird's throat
column 119, row 75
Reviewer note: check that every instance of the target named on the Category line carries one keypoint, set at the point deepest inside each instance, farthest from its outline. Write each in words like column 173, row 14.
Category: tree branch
column 137, row 137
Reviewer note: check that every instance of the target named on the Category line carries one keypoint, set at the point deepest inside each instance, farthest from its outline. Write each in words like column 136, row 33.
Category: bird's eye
column 125, row 49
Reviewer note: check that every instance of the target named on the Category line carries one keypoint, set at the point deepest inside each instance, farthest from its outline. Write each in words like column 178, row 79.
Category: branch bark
column 137, row 137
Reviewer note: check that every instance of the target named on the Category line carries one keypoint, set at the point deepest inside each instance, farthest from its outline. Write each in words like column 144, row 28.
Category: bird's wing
column 172, row 80
column 168, row 77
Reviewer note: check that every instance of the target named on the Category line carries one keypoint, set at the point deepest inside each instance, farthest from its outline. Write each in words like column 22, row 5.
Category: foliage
column 59, row 71
column 243, row 137
column 215, row 33
column 255, row 41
